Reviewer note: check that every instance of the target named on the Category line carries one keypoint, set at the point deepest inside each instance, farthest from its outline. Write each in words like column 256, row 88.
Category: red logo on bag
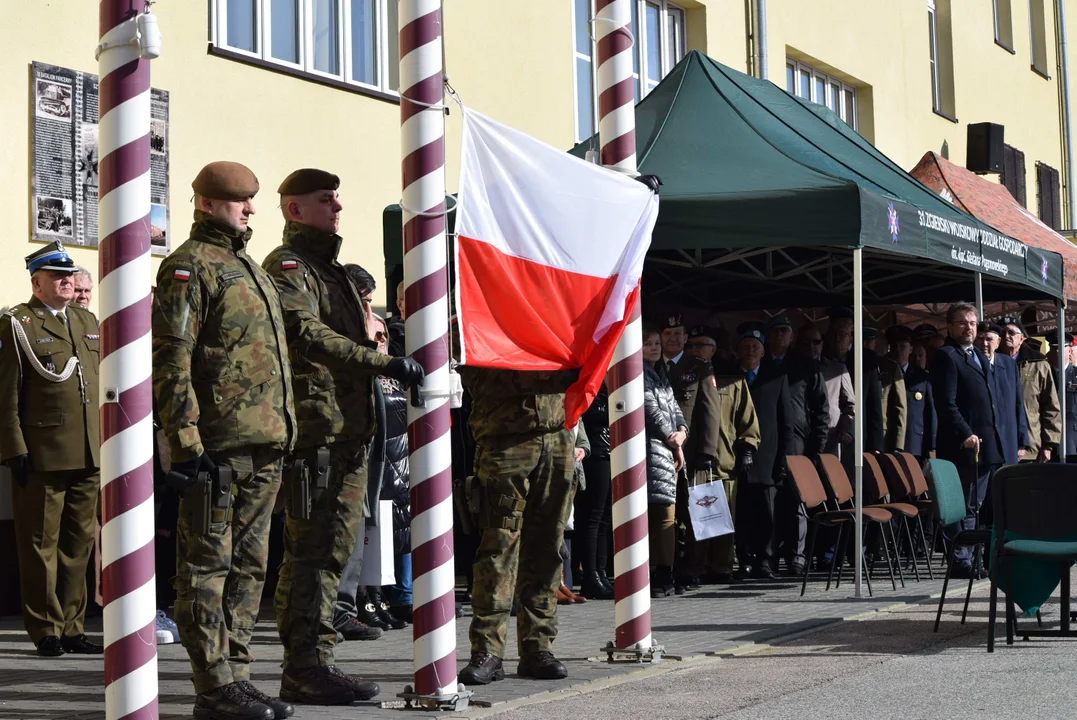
column 706, row 501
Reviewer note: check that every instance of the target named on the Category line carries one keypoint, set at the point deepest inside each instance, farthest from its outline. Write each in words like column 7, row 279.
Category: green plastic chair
column 950, row 507
column 1035, row 511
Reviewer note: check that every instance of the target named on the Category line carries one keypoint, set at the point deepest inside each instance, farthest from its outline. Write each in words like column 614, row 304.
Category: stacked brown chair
column 923, row 501
column 842, row 491
column 877, row 493
column 813, row 497
column 901, row 490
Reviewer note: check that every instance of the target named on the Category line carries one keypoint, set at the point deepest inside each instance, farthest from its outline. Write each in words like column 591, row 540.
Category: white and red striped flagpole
column 127, row 556
column 426, row 296
column 628, row 449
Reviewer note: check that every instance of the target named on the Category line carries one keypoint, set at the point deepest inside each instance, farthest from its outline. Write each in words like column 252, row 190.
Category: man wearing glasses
column 1042, row 407
column 968, row 422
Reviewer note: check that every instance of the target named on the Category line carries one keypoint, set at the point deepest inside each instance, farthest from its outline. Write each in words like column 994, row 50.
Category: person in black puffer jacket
column 666, row 432
column 591, row 536
column 397, row 487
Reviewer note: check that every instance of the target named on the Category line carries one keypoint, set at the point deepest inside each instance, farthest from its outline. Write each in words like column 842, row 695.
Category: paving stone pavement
column 713, row 620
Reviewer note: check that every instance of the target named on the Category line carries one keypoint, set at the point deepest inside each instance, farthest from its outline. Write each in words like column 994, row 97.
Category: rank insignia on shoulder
column 288, row 264
column 25, row 319
column 93, row 337
column 182, row 275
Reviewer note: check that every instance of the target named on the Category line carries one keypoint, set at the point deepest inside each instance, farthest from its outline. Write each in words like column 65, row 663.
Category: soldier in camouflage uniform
column 335, row 365
column 223, row 385
column 524, row 466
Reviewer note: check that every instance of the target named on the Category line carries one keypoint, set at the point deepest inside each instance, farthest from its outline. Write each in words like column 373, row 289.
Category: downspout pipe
column 761, row 36
column 1067, row 121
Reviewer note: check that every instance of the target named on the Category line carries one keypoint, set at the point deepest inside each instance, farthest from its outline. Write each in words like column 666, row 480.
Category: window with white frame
column 354, row 41
column 658, row 45
column 806, row 82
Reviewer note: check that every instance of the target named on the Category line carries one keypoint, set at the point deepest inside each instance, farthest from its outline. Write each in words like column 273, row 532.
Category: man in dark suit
column 755, row 501
column 968, row 433
column 921, row 424
column 1007, row 392
column 811, row 422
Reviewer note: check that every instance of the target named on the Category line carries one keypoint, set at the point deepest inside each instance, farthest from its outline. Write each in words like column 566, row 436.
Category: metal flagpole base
column 456, row 702
column 638, row 655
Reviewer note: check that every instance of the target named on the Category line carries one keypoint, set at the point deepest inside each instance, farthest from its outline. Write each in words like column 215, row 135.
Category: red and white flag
column 549, row 252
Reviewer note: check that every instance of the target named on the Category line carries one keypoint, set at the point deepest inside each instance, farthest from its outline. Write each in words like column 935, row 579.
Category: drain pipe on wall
column 1067, row 122
column 761, row 35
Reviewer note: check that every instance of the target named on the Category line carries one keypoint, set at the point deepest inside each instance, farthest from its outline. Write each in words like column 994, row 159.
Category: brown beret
column 308, row 180
column 224, row 180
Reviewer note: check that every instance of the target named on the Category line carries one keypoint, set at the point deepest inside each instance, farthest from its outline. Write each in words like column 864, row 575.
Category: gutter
column 1066, row 119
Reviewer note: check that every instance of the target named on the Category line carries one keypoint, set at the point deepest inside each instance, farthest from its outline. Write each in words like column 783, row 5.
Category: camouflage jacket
column 512, row 402
column 333, row 359
column 220, row 364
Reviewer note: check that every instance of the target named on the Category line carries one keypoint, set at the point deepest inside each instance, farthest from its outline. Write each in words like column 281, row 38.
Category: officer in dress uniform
column 335, row 365
column 49, row 441
column 223, row 385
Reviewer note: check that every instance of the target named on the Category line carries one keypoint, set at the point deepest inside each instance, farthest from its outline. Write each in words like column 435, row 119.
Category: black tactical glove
column 651, row 181
column 704, row 463
column 183, row 474
column 20, row 466
column 405, row 369
column 745, row 459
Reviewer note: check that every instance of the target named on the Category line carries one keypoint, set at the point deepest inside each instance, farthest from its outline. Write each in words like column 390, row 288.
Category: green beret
column 308, row 180
column 224, row 180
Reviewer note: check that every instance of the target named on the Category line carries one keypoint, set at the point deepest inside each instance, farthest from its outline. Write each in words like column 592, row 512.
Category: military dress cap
column 1016, row 322
column 225, row 180
column 750, row 332
column 870, row 333
column 840, row 313
column 898, row 334
column 780, row 320
column 1071, row 340
column 308, row 180
column 924, row 331
column 703, row 331
column 987, row 327
column 672, row 321
column 51, row 257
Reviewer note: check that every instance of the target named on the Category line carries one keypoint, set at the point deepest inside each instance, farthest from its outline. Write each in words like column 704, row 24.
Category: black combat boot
column 662, row 582
column 361, row 689
column 605, row 580
column 592, row 587
column 230, row 703
column 541, row 665
column 367, row 613
column 315, row 686
column 352, row 629
column 381, row 609
column 280, row 708
column 483, row 669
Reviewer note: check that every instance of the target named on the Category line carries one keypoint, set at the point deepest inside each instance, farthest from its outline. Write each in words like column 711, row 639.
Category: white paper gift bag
column 378, row 558
column 709, row 510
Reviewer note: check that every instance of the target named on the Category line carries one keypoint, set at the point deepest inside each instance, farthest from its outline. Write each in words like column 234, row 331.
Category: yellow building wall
column 511, row 59
column 883, row 45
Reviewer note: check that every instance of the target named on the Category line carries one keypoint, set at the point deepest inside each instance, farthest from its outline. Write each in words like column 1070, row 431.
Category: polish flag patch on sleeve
column 181, row 274
column 288, row 264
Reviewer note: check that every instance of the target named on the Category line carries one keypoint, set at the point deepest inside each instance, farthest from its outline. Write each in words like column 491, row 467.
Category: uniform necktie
column 669, row 366
column 750, row 374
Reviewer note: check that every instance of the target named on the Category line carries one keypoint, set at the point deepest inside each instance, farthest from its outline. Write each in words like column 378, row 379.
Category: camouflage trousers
column 315, row 553
column 527, row 490
column 219, row 576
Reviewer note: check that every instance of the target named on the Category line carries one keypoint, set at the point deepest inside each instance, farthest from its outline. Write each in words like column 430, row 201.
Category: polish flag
column 549, row 252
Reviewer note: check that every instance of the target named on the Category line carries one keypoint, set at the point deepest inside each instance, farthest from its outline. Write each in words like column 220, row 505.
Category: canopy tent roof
column 993, row 204
column 748, row 169
column 765, row 194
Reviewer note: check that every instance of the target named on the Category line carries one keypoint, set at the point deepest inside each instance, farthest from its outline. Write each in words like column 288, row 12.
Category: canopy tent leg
column 858, row 416
column 1061, row 451
column 979, row 281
